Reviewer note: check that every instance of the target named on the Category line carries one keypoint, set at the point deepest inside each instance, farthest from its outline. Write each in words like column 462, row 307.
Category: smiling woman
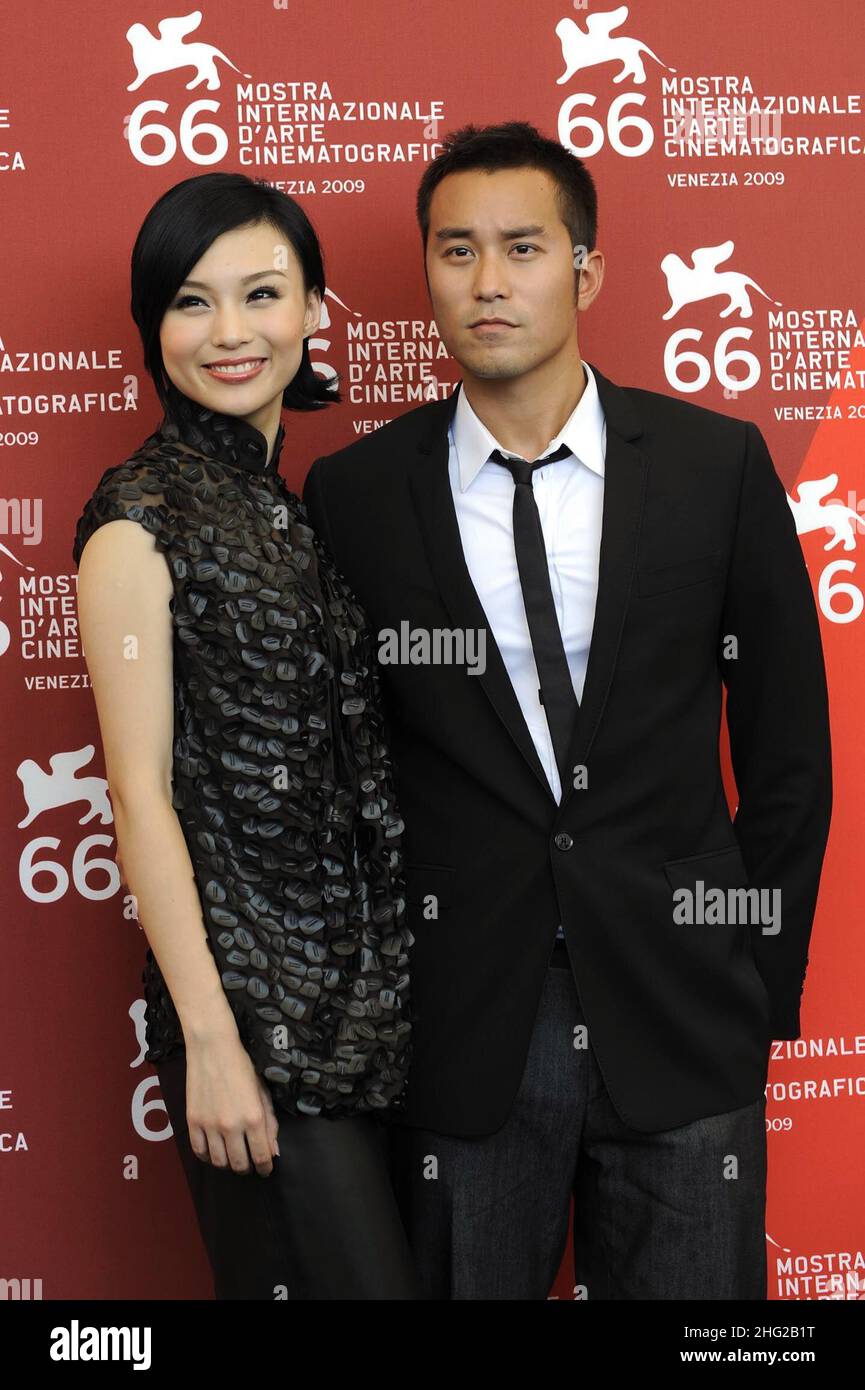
column 237, row 693
column 229, row 327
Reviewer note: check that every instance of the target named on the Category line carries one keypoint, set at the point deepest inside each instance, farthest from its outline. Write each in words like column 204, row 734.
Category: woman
column 238, row 703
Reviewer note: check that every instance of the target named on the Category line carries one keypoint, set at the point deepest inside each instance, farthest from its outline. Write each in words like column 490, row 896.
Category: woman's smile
column 239, row 369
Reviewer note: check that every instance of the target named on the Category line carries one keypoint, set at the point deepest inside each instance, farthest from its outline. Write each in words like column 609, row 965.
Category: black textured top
column 282, row 781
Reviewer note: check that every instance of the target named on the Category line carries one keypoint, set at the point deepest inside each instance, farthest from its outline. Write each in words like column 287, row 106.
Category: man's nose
column 490, row 278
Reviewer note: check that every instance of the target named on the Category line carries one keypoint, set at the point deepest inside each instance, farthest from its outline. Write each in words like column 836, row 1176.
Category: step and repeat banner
column 727, row 145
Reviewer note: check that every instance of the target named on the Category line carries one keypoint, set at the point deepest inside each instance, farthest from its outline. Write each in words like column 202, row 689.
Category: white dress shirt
column 569, row 495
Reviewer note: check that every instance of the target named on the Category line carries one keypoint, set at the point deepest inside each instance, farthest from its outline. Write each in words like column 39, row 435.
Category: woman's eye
column 196, row 299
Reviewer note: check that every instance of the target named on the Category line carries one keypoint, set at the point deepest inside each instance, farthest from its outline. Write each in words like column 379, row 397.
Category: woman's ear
column 312, row 317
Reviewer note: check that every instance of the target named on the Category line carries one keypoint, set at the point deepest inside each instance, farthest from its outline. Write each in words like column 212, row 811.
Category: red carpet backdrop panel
column 727, row 145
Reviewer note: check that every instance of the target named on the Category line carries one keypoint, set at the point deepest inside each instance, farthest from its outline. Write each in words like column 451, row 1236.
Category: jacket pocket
column 681, row 575
column 724, row 869
column 423, row 881
column 718, row 868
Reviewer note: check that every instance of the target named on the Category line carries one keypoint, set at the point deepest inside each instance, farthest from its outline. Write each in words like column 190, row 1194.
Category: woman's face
column 243, row 303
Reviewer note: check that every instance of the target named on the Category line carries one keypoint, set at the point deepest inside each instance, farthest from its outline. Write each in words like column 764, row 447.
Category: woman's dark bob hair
column 174, row 236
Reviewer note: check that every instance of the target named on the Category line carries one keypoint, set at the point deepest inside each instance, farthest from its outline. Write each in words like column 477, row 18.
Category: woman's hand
column 229, row 1107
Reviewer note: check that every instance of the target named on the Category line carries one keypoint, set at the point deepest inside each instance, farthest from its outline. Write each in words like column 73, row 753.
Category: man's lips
column 492, row 328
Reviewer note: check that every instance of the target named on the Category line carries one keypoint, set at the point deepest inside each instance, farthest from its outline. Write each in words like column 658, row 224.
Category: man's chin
column 499, row 371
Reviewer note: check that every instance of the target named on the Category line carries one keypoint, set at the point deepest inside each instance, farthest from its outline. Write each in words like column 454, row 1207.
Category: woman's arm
column 124, row 589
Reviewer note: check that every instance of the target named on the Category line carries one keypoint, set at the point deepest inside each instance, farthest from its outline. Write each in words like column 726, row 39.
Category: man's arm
column 778, row 719
column 317, row 511
column 313, row 500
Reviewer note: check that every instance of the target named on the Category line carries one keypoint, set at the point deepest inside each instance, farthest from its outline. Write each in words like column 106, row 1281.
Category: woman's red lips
column 233, row 361
column 240, row 368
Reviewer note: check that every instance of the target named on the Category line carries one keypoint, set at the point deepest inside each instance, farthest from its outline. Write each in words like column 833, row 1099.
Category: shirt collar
column 583, row 432
column 226, row 438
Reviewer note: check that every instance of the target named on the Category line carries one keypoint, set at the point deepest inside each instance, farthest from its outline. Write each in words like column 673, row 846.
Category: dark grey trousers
column 656, row 1216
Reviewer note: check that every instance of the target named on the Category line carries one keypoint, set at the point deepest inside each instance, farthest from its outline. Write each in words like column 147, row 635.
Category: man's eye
column 519, row 246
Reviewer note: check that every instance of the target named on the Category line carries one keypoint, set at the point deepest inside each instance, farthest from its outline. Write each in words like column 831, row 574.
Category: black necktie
column 557, row 689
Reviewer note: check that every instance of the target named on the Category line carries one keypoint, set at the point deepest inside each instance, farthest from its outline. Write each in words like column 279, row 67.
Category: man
column 563, row 798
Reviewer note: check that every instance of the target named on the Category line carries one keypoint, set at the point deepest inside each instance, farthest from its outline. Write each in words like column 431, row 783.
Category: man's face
column 486, row 258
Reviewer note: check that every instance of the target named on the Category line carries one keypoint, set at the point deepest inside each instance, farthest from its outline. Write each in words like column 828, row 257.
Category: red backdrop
column 729, row 137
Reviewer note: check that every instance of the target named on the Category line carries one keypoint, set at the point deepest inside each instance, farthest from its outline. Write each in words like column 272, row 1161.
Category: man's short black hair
column 514, row 145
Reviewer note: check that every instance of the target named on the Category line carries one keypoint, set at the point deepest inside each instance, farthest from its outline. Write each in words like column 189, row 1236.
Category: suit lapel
column 437, row 517
column 625, row 473
column 626, row 470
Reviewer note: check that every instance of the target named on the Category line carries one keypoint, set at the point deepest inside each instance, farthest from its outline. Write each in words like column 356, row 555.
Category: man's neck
column 524, row 413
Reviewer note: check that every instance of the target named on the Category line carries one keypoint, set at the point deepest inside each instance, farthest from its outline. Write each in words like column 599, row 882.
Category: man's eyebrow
column 509, row 234
column 256, row 275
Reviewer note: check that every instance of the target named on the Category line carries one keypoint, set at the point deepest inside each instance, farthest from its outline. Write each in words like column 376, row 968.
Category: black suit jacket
column 698, row 545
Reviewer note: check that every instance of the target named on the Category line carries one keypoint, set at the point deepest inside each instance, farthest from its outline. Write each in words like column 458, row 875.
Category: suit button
column 563, row 840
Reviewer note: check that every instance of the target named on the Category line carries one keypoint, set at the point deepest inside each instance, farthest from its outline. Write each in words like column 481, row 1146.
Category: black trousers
column 323, row 1225
column 678, row 1214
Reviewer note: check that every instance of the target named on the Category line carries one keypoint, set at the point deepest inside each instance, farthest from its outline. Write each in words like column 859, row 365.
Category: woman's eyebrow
column 256, row 275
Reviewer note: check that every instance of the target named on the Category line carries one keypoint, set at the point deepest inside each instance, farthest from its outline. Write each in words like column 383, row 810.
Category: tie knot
column 521, row 469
